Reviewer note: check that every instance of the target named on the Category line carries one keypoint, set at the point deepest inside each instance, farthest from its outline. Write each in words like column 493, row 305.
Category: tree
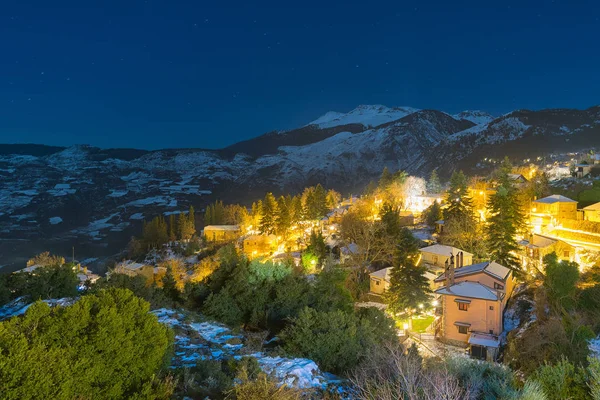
column 561, row 279
column 192, row 221
column 296, row 210
column 432, row 214
column 105, row 346
column 561, row 381
column 459, row 204
column 466, row 234
column 172, row 228
column 333, row 199
column 185, row 227
column 386, row 178
column 336, row 340
column 433, row 185
column 268, row 214
column 408, row 285
column 390, row 219
column 317, row 246
column 283, row 219
column 154, row 233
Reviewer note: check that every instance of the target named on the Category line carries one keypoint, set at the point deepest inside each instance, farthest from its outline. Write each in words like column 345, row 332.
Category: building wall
column 378, row 286
column 479, row 315
column 217, row 235
column 592, row 215
column 259, row 245
column 439, row 260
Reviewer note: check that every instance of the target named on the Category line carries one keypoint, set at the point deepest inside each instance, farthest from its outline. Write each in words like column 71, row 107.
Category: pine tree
column 409, row 287
column 172, row 228
column 386, row 178
column 154, row 233
column 320, row 199
column 459, row 204
column 390, row 219
column 208, row 215
column 504, row 223
column 283, row 218
column 433, row 185
column 433, row 214
column 297, row 212
column 333, row 199
column 192, row 220
column 268, row 214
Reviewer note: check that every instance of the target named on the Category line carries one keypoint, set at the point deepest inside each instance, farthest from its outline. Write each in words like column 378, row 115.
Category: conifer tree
column 408, row 285
column 506, row 220
column 320, row 202
column 386, row 178
column 433, row 185
column 297, row 212
column 172, row 228
column 308, row 203
column 192, row 220
column 333, row 199
column 154, row 233
column 268, row 214
column 390, row 219
column 208, row 215
column 433, row 214
column 283, row 218
column 459, row 204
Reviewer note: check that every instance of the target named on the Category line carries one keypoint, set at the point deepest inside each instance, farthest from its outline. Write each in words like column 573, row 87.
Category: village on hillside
column 498, row 268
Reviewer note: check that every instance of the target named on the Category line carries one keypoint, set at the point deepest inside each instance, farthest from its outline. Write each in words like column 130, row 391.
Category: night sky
column 155, row 74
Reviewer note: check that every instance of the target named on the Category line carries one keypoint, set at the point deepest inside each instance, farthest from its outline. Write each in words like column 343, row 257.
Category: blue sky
column 156, row 74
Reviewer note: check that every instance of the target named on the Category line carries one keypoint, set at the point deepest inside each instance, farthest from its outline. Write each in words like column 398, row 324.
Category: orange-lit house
column 552, row 210
column 472, row 300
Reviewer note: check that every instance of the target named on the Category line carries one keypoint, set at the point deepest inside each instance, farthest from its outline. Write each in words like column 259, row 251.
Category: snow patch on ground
column 55, row 220
column 137, row 216
column 368, row 115
column 19, row 305
column 118, row 193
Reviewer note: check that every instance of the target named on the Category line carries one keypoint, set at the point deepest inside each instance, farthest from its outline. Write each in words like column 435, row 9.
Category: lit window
column 463, row 306
column 463, row 329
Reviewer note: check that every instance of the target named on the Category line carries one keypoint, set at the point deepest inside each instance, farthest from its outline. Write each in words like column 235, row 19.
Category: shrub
column 106, row 345
column 336, row 340
column 561, row 381
column 223, row 307
column 261, row 388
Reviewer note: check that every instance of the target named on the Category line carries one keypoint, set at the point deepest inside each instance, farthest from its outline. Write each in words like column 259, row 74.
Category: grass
column 419, row 323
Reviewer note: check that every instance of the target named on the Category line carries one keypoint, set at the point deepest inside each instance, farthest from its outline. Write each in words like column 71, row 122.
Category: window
column 435, row 259
column 491, row 308
column 498, row 286
column 491, row 331
column 566, row 254
column 377, row 283
column 463, row 329
column 463, row 306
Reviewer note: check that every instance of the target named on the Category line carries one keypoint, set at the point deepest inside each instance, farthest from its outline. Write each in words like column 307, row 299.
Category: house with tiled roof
column 472, row 300
column 552, row 210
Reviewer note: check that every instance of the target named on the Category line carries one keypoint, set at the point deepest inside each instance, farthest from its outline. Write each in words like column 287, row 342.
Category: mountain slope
column 95, row 199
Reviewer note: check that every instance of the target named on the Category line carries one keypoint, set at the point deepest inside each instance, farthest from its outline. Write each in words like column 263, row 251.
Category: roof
column 593, row 207
column 484, row 339
column 352, row 248
column 222, row 227
column 517, row 177
column 491, row 268
column 555, row 198
column 382, row 274
column 473, row 290
column 443, row 250
column 131, row 265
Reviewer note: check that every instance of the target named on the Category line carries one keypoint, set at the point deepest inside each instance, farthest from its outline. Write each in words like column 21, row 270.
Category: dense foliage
column 106, row 345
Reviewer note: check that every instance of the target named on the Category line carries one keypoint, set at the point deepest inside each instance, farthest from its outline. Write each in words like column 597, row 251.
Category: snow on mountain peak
column 367, row 115
column 475, row 116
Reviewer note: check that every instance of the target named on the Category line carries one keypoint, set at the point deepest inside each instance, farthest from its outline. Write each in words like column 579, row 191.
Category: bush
column 261, row 388
column 48, row 282
column 561, row 381
column 138, row 285
column 336, row 340
column 106, row 345
column 223, row 307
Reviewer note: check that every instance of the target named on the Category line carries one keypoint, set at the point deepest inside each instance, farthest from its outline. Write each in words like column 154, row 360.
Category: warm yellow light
column 421, row 306
column 405, row 326
column 435, row 303
column 481, row 193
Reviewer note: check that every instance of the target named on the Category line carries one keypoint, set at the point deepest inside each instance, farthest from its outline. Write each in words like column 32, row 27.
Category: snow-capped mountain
column 53, row 198
column 475, row 116
column 367, row 115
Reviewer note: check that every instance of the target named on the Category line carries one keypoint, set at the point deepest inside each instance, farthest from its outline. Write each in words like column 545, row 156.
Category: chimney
column 460, row 260
column 450, row 271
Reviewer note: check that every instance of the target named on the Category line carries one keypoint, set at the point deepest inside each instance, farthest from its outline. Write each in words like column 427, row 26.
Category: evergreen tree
column 170, row 285
column 408, row 285
column 208, row 215
column 320, row 200
column 185, row 228
column 172, row 228
column 433, row 185
column 386, row 178
column 317, row 246
column 459, row 204
column 283, row 220
column 192, row 220
column 433, row 214
column 502, row 227
column 268, row 214
column 296, row 212
column 333, row 199
column 390, row 219
column 154, row 233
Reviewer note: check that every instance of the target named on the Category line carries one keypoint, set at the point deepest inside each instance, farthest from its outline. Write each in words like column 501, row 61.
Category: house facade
column 472, row 301
column 535, row 247
column 259, row 245
column 592, row 213
column 552, row 210
column 220, row 233
column 436, row 256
